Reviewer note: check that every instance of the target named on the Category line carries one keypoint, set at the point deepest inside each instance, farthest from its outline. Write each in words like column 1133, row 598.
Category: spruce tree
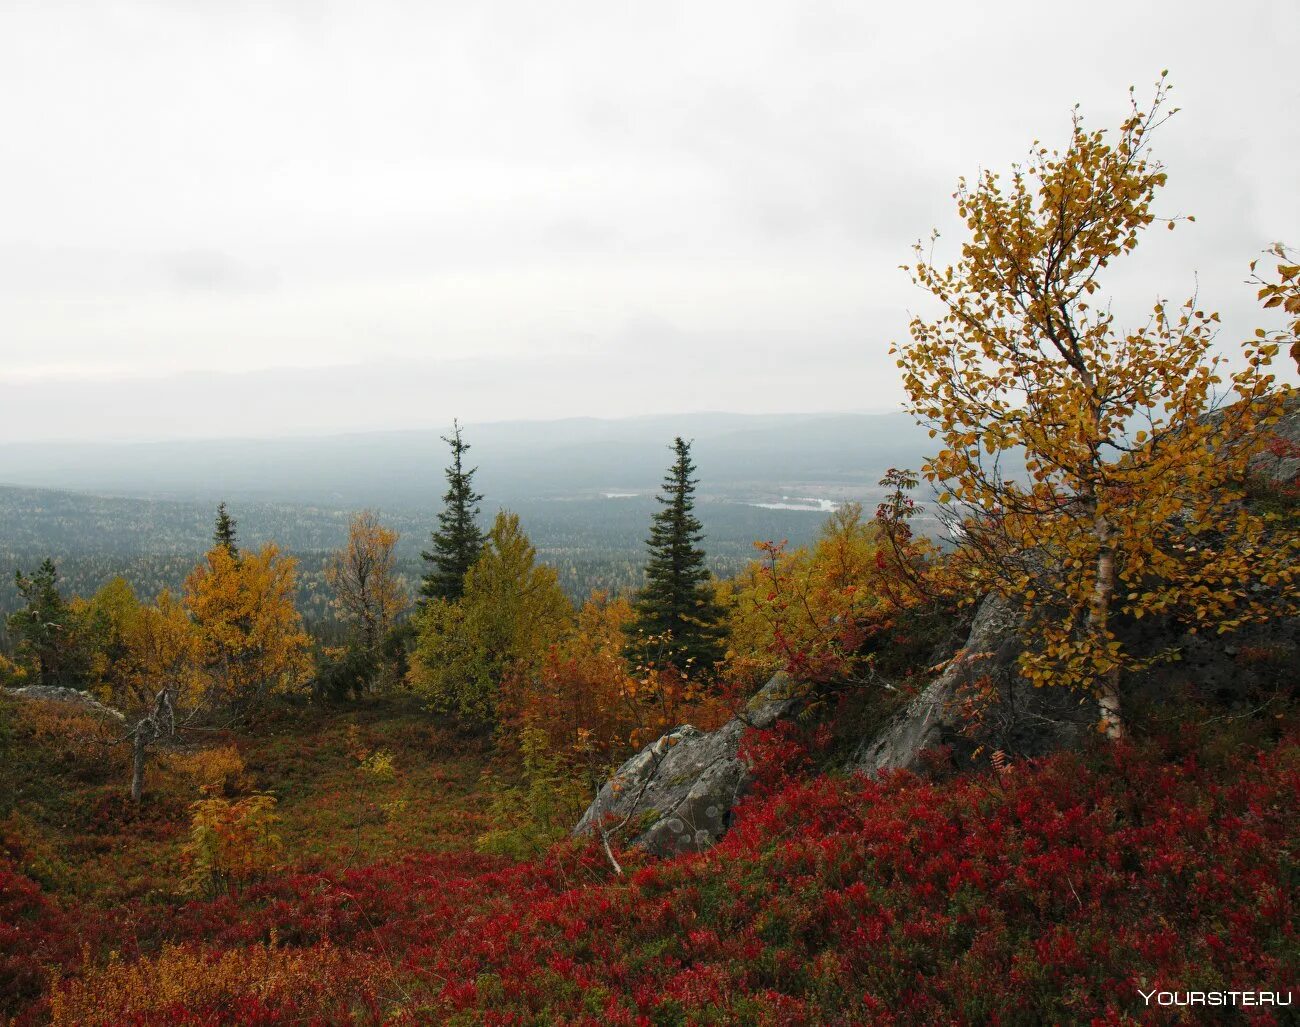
column 678, row 621
column 224, row 532
column 46, row 630
column 458, row 542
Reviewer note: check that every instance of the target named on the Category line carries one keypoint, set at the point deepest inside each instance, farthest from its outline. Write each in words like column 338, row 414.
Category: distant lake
column 801, row 503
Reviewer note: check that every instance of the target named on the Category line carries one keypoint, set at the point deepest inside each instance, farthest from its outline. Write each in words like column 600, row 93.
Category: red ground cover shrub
column 34, row 935
column 1044, row 893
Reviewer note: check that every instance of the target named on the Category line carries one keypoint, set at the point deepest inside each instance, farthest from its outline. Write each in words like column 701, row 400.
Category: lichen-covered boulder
column 55, row 693
column 676, row 795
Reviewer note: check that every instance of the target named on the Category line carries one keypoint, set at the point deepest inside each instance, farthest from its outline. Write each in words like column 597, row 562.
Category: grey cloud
column 581, row 235
column 571, row 194
column 212, row 271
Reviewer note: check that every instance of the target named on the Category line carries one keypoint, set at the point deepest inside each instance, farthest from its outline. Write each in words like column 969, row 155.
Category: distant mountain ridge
column 740, row 456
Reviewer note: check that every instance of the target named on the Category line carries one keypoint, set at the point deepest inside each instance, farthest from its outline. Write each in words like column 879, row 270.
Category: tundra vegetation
column 231, row 821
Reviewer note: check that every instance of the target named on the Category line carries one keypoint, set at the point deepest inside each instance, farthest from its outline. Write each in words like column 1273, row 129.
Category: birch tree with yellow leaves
column 251, row 637
column 1089, row 470
column 512, row 610
column 162, row 687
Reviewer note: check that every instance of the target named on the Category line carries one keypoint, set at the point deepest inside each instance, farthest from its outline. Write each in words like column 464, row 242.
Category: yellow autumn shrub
column 230, row 843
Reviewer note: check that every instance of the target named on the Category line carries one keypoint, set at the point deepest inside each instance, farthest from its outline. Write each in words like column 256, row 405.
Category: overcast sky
column 253, row 218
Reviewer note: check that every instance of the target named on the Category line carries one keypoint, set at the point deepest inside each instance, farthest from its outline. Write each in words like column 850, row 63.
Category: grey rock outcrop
column 1019, row 718
column 54, row 693
column 1283, row 466
column 676, row 795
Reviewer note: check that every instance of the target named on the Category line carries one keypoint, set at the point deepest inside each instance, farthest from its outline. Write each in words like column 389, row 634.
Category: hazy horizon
column 431, row 425
column 744, row 457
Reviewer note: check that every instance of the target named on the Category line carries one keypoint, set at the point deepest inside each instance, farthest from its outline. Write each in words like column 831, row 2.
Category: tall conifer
column 458, row 542
column 46, row 629
column 224, row 532
column 678, row 620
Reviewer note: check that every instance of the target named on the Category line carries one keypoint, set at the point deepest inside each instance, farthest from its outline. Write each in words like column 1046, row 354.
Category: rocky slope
column 676, row 795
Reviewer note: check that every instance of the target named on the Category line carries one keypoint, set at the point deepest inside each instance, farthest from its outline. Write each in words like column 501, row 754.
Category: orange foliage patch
column 215, row 771
column 591, row 704
column 316, row 985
